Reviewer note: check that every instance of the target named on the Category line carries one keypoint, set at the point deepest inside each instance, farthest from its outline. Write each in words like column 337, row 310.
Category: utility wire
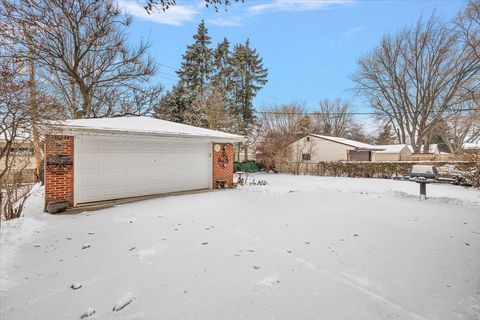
column 336, row 113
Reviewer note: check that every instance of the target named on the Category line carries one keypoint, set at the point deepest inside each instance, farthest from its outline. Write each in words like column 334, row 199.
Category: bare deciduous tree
column 414, row 77
column 15, row 119
column 459, row 127
column 81, row 46
column 167, row 4
column 333, row 118
column 468, row 24
column 279, row 126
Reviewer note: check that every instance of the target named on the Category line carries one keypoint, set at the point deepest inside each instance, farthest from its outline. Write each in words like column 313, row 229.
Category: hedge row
column 466, row 173
column 247, row 166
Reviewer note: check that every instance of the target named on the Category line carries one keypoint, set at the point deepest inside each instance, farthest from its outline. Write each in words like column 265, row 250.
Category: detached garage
column 90, row 160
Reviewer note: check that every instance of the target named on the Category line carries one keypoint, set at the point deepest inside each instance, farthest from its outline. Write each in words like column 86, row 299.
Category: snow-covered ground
column 300, row 247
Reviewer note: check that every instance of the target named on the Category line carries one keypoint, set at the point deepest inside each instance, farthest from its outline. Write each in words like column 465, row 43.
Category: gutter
column 100, row 131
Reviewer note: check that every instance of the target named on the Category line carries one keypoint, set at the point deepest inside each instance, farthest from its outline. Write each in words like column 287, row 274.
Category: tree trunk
column 37, row 150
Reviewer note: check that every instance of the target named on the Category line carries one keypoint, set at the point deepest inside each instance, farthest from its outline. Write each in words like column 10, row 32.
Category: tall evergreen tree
column 196, row 68
column 181, row 105
column 249, row 76
column 222, row 68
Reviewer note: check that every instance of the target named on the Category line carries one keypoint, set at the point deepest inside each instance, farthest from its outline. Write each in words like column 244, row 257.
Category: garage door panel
column 114, row 167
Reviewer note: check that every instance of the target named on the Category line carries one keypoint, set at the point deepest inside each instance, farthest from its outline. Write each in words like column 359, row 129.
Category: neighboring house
column 90, row 160
column 432, row 150
column 314, row 148
column 471, row 146
column 392, row 152
column 23, row 158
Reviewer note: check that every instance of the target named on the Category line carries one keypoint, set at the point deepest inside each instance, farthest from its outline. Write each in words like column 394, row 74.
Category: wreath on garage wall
column 223, row 161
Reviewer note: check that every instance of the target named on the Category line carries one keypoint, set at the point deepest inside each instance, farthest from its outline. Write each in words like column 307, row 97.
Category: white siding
column 319, row 149
column 387, row 157
column 397, row 156
column 120, row 167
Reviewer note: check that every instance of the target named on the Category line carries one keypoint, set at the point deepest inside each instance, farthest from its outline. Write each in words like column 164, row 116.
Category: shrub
column 247, row 166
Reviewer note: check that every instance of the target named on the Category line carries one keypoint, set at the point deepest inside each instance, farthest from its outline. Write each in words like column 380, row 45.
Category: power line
column 167, row 66
column 168, row 74
column 337, row 113
column 174, row 80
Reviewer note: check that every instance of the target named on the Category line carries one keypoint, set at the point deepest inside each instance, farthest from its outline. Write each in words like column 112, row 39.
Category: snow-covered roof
column 471, row 146
column 348, row 142
column 431, row 149
column 391, row 148
column 144, row 125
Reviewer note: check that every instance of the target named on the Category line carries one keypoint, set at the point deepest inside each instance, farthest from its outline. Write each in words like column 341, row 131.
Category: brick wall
column 220, row 172
column 59, row 177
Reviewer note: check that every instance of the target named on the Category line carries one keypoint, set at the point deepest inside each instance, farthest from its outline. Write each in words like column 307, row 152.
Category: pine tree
column 249, row 76
column 219, row 115
column 222, row 68
column 386, row 136
column 196, row 68
column 182, row 106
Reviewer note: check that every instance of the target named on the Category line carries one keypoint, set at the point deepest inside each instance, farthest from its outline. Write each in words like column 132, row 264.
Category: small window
column 308, row 139
column 306, row 157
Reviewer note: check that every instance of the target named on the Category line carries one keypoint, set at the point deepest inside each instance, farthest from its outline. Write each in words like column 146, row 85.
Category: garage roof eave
column 369, row 149
column 232, row 138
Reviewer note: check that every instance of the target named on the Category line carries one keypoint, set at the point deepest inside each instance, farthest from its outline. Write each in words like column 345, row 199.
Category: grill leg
column 423, row 190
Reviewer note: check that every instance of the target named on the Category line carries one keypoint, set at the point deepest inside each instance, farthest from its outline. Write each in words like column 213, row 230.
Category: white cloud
column 295, row 5
column 175, row 16
column 226, row 22
column 348, row 35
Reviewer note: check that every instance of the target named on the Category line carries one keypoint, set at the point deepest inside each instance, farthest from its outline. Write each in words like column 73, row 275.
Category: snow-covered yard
column 299, row 248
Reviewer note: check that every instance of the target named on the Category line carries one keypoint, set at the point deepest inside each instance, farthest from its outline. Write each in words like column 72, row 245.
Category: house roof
column 392, row 148
column 144, row 125
column 431, row 148
column 348, row 142
column 471, row 146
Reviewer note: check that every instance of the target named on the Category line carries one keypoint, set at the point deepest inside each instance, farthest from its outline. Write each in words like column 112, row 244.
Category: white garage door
column 118, row 167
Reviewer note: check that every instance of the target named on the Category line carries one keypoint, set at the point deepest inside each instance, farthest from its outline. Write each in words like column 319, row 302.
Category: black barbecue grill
column 423, row 175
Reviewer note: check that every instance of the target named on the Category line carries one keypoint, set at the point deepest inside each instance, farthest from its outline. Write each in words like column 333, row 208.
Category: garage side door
column 113, row 168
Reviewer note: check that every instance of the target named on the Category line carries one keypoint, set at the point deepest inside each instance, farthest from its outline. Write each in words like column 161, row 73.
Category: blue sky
column 309, row 46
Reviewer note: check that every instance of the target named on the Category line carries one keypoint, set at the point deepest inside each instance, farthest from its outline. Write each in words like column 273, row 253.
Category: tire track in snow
column 341, row 278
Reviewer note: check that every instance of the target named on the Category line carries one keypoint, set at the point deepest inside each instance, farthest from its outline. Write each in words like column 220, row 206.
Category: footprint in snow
column 85, row 246
column 89, row 312
column 307, row 242
column 91, row 232
column 68, row 238
column 204, row 243
column 36, row 245
column 76, row 285
column 269, row 282
column 124, row 301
